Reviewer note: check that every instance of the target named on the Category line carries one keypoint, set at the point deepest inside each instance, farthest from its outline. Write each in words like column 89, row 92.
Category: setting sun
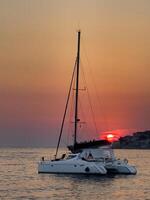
column 110, row 137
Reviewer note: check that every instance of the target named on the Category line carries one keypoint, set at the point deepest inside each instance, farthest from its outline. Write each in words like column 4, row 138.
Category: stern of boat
column 120, row 167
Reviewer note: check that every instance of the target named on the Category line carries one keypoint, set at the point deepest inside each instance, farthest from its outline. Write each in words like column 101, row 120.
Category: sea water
column 19, row 178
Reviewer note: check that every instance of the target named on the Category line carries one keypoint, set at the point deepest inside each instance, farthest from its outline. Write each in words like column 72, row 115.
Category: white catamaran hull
column 120, row 168
column 70, row 167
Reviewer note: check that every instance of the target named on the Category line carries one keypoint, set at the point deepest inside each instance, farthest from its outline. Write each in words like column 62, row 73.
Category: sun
column 110, row 137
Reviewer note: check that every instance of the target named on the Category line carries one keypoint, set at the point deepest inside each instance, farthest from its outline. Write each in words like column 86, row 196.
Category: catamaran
column 92, row 157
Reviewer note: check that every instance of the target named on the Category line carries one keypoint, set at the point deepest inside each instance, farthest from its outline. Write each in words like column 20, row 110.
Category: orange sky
column 37, row 53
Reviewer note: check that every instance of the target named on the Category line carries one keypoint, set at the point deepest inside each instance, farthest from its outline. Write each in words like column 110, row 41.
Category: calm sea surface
column 19, row 178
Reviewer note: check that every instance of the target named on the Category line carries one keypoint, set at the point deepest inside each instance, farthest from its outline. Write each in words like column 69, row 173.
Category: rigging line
column 64, row 116
column 90, row 102
column 70, row 115
column 100, row 101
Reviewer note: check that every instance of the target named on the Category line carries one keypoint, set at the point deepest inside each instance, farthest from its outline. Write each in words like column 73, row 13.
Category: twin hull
column 120, row 169
column 104, row 162
column 79, row 167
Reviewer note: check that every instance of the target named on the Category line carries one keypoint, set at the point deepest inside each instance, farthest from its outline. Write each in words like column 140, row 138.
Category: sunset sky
column 37, row 54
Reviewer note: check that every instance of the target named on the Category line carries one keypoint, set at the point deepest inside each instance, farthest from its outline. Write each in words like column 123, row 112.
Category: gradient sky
column 37, row 53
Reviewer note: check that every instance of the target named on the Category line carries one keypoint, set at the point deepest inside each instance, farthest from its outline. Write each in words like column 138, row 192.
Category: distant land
column 138, row 140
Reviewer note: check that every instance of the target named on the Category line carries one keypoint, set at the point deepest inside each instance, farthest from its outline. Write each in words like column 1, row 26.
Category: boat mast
column 77, row 90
